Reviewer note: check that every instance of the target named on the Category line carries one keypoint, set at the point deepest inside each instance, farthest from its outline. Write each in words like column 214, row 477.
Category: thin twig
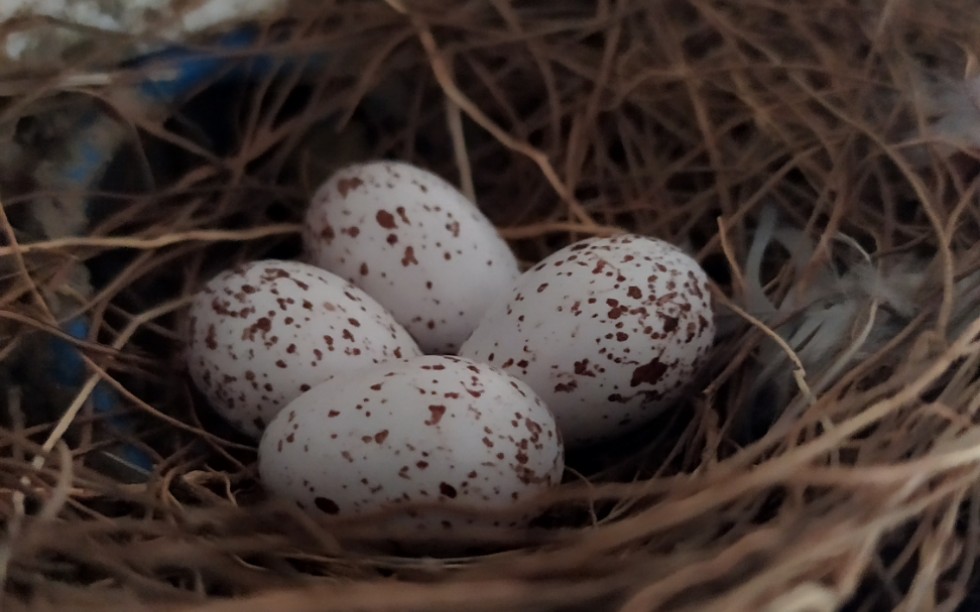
column 123, row 242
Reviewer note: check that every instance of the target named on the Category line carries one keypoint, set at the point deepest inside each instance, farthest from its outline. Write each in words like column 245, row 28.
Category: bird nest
column 818, row 159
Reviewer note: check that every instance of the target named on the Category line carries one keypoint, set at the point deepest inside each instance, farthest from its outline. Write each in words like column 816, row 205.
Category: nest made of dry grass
column 681, row 120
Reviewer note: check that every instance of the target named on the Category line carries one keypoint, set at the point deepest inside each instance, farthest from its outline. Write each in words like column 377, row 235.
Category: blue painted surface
column 89, row 160
column 192, row 68
column 69, row 370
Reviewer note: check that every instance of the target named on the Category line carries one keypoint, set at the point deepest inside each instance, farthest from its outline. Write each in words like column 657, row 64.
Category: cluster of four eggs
column 409, row 360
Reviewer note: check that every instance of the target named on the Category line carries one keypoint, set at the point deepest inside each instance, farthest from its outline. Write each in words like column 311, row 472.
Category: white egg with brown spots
column 413, row 242
column 429, row 430
column 607, row 331
column 262, row 333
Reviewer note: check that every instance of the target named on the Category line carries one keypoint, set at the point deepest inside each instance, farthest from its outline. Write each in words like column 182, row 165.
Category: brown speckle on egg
column 385, row 219
column 346, row 185
column 325, row 505
column 436, row 413
column 448, row 490
column 409, row 258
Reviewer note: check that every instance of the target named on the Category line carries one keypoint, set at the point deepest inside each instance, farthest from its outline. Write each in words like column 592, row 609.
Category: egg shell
column 264, row 332
column 430, row 430
column 607, row 331
column 415, row 243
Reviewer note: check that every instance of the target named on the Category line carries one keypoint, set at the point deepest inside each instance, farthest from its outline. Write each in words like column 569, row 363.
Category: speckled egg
column 264, row 332
column 432, row 430
column 607, row 331
column 413, row 242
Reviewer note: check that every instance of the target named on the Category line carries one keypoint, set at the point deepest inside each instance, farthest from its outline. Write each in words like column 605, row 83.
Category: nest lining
column 829, row 460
